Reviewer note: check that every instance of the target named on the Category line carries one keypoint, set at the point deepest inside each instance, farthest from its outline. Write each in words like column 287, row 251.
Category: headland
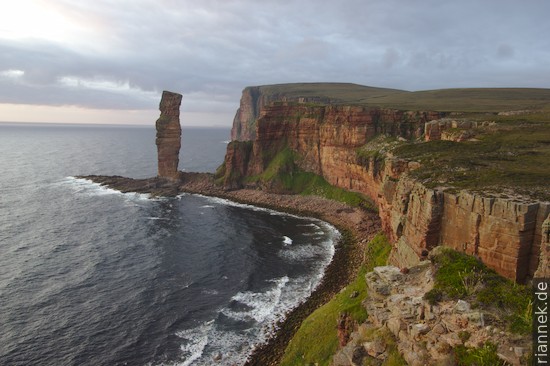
column 464, row 169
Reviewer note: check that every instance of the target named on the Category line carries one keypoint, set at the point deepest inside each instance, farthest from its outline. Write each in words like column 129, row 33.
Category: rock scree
column 169, row 135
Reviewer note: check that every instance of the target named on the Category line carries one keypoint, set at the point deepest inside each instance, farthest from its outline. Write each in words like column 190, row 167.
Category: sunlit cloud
column 12, row 74
column 103, row 54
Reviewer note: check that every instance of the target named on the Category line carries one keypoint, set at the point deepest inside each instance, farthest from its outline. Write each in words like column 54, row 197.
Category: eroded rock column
column 169, row 135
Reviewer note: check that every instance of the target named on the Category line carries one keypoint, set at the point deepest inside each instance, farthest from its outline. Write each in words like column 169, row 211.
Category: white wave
column 158, row 218
column 310, row 225
column 195, row 344
column 317, row 233
column 266, row 308
column 226, row 141
column 287, row 240
column 88, row 187
column 207, row 206
column 226, row 202
column 303, row 252
column 263, row 305
column 205, row 343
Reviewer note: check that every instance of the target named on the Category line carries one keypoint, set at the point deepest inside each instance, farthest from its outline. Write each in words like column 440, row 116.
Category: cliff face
column 169, row 135
column 254, row 100
column 505, row 233
column 243, row 123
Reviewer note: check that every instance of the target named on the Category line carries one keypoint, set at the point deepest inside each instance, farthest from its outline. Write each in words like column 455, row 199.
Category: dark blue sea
column 91, row 276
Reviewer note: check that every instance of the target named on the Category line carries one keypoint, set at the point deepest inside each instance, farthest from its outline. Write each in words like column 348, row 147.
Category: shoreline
column 356, row 226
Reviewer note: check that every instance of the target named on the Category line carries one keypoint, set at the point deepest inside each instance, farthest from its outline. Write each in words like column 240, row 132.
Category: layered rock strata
column 504, row 232
column 543, row 270
column 254, row 100
column 424, row 333
column 169, row 135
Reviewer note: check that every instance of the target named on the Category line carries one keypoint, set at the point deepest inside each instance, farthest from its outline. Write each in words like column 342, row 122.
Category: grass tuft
column 482, row 356
column 460, row 276
column 316, row 341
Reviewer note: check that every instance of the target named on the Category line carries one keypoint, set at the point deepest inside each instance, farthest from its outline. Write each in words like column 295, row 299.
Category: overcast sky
column 107, row 61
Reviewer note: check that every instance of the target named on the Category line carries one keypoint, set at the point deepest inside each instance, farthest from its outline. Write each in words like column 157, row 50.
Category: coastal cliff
column 255, row 99
column 338, row 142
column 429, row 178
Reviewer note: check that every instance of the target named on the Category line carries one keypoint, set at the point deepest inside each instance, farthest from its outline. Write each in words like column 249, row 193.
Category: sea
column 92, row 276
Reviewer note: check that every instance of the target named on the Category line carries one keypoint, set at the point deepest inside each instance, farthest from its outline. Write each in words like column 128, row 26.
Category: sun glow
column 36, row 19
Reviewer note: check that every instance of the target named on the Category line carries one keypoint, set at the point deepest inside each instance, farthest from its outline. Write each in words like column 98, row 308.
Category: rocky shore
column 357, row 226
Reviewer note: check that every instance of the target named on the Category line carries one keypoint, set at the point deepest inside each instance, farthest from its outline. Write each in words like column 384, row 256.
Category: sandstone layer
column 169, row 135
column 424, row 333
column 504, row 232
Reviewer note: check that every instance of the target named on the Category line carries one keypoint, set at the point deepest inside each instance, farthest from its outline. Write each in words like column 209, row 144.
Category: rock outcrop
column 256, row 98
column 169, row 135
column 253, row 103
column 503, row 232
column 424, row 333
column 543, row 270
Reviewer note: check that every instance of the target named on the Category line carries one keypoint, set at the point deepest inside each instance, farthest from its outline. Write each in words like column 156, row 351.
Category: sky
column 107, row 61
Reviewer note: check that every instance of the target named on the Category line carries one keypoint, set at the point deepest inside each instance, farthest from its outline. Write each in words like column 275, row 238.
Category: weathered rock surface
column 253, row 102
column 543, row 270
column 425, row 334
column 169, row 135
column 504, row 232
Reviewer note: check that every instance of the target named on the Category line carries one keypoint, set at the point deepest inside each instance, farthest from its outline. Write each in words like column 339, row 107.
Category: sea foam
column 88, row 187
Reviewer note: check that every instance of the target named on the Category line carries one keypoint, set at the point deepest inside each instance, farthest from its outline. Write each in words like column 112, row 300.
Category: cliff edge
column 473, row 182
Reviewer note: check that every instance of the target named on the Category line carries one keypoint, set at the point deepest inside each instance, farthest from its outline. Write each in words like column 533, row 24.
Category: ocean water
column 90, row 276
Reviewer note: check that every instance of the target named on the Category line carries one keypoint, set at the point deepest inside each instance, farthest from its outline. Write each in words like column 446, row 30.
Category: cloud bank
column 101, row 54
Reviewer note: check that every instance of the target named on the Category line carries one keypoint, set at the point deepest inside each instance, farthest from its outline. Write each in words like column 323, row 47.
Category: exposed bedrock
column 506, row 233
column 169, row 135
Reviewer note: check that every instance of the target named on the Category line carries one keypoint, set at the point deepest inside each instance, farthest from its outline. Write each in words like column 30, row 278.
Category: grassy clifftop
column 339, row 93
column 479, row 100
column 509, row 156
column 467, row 100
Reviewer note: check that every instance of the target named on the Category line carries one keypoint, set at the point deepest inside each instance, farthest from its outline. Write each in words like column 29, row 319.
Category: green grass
column 478, row 100
column 394, row 358
column 282, row 174
column 460, row 276
column 340, row 93
column 467, row 100
column 511, row 156
column 316, row 341
column 482, row 356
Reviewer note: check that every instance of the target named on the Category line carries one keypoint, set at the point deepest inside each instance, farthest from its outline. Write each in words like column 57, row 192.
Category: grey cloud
column 210, row 50
column 391, row 57
column 505, row 51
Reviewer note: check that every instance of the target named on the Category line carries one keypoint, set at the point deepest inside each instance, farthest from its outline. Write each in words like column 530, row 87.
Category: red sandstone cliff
column 253, row 104
column 169, row 135
column 505, row 233
column 255, row 98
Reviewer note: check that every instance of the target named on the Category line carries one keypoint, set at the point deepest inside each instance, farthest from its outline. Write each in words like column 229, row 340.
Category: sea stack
column 169, row 135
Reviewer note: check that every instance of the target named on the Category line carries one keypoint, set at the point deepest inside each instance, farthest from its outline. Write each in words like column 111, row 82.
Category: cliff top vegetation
column 509, row 157
column 481, row 100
